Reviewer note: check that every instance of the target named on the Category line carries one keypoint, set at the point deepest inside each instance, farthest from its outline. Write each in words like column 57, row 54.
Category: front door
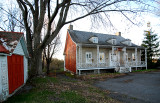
column 114, row 58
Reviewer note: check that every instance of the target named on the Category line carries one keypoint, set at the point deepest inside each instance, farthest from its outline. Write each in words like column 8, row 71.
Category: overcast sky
column 134, row 33
column 128, row 30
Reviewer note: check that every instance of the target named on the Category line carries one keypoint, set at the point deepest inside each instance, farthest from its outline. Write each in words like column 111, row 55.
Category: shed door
column 15, row 72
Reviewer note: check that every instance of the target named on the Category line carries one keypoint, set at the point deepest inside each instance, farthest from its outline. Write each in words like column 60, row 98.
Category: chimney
column 118, row 33
column 70, row 27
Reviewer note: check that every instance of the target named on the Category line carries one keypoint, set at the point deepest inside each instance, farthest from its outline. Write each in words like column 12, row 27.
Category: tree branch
column 30, row 5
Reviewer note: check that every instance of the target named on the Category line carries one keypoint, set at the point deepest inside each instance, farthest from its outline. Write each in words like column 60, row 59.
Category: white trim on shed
column 19, row 50
column 25, row 69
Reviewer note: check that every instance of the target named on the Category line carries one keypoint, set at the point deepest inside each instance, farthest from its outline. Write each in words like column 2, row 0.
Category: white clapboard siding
column 25, row 69
column 18, row 50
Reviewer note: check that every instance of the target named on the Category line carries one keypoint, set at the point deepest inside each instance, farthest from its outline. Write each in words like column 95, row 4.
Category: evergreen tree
column 152, row 44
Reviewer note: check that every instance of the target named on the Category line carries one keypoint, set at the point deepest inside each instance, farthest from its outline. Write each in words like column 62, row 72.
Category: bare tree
column 1, row 17
column 50, row 50
column 11, row 18
column 62, row 11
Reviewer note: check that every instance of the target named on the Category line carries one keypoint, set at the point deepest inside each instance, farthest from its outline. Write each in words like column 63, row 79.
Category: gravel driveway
column 134, row 88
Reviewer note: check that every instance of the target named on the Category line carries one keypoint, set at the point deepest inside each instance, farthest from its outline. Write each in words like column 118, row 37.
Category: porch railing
column 92, row 65
column 114, row 64
column 134, row 63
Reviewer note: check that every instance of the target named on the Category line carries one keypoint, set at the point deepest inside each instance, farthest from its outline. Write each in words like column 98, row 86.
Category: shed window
column 88, row 57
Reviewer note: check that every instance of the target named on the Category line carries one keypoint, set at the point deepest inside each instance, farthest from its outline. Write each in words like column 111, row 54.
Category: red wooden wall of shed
column 70, row 54
column 15, row 72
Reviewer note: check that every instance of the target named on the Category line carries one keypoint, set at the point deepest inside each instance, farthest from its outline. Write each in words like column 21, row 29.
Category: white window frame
column 126, row 57
column 89, row 60
column 95, row 39
column 114, row 41
column 102, row 61
column 133, row 57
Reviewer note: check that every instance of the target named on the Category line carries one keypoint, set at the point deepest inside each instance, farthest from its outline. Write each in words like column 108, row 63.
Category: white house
column 95, row 51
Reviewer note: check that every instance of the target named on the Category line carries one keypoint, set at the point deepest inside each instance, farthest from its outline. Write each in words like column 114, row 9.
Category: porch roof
column 110, row 46
column 82, row 37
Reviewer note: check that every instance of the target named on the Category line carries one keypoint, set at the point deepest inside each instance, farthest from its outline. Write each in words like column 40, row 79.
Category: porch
column 100, row 66
column 116, row 64
column 108, row 58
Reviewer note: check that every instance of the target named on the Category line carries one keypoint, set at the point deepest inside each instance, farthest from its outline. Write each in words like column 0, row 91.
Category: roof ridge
column 11, row 32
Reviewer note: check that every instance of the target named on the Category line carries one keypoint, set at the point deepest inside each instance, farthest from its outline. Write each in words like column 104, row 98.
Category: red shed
column 13, row 63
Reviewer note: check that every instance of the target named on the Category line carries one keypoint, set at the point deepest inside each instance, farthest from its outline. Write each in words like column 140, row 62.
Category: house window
column 101, row 57
column 95, row 40
column 129, row 43
column 114, row 41
column 133, row 56
column 126, row 57
column 88, row 57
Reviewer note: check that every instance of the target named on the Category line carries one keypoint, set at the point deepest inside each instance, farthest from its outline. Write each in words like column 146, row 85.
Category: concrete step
column 124, row 70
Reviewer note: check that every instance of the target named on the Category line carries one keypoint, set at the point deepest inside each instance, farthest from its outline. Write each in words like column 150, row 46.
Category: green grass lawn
column 62, row 89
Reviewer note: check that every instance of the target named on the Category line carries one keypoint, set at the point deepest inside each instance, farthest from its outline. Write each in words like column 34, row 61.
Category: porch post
column 64, row 63
column 76, row 60
column 140, row 56
column 146, row 57
column 112, row 56
column 80, row 55
column 124, row 56
column 112, row 50
column 136, row 57
column 79, row 72
column 98, row 57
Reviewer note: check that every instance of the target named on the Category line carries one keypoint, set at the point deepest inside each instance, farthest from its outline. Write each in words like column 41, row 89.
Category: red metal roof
column 3, row 49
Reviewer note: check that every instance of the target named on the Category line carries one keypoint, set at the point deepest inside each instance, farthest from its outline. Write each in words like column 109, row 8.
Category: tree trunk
column 43, row 62
column 36, row 64
column 48, row 67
